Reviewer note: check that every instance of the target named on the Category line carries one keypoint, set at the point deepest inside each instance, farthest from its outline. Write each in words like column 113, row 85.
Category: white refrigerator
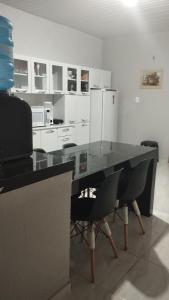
column 103, row 115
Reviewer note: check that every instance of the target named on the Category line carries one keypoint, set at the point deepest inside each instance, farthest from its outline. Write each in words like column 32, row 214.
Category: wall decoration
column 151, row 79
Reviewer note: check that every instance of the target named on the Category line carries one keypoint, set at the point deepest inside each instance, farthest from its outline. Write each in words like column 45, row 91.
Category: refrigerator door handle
column 113, row 99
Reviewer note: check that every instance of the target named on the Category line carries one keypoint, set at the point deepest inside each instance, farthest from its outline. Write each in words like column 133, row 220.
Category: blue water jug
column 6, row 54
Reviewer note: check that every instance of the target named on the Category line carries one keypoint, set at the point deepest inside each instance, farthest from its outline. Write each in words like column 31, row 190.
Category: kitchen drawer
column 64, row 131
column 64, row 140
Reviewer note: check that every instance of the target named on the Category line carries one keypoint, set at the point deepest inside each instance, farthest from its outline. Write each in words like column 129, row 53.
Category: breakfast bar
column 35, row 199
column 34, row 228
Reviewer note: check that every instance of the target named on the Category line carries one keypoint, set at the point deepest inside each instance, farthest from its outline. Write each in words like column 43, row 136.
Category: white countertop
column 52, row 126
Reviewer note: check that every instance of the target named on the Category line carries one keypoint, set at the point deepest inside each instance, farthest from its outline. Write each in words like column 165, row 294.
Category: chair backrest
column 105, row 197
column 136, row 178
column 69, row 145
column 40, row 150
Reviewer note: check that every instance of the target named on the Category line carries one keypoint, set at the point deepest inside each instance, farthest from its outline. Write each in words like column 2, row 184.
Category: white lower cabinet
column 82, row 133
column 53, row 139
column 64, row 140
column 36, row 139
column 49, row 139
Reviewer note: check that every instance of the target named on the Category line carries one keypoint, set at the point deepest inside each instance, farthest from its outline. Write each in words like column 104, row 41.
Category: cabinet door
column 22, row 75
column 40, row 76
column 83, row 109
column 71, row 109
column 106, row 79
column 49, row 140
column 82, row 133
column 65, row 140
column 84, row 81
column 109, row 132
column 96, row 116
column 57, row 74
column 36, row 139
column 72, row 79
column 95, row 78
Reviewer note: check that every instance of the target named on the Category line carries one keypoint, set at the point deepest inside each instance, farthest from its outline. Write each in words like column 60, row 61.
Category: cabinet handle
column 66, row 139
column 40, row 92
column 50, row 131
column 1, row 189
column 34, row 133
column 57, row 92
column 72, row 122
column 113, row 99
column 66, row 129
column 84, row 125
column 21, row 91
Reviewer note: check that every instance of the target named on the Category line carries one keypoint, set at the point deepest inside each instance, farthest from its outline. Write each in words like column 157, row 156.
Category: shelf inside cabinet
column 40, row 76
column 72, row 79
column 21, row 74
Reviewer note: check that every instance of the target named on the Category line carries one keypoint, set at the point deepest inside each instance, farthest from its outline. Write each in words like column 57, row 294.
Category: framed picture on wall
column 151, row 79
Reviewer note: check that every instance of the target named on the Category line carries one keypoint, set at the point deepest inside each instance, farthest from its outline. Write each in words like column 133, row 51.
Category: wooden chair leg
column 138, row 214
column 116, row 206
column 109, row 235
column 125, row 227
column 92, row 251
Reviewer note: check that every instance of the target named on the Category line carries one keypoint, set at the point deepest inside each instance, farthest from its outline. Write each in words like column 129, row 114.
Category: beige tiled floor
column 140, row 273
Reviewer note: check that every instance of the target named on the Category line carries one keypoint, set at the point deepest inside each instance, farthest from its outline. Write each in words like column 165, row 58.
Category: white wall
column 126, row 57
column 34, row 36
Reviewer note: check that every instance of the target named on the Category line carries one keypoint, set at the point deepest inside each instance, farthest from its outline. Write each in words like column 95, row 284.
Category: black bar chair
column 40, row 150
column 134, row 181
column 94, row 211
column 69, row 145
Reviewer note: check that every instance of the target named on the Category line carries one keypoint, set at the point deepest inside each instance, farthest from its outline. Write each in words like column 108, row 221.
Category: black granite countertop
column 83, row 160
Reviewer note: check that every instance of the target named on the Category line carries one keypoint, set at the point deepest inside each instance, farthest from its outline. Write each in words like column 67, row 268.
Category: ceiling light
column 130, row 3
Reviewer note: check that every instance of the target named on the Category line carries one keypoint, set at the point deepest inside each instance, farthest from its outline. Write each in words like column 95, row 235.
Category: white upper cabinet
column 100, row 79
column 22, row 75
column 84, row 81
column 95, row 78
column 57, row 74
column 40, row 76
column 106, row 79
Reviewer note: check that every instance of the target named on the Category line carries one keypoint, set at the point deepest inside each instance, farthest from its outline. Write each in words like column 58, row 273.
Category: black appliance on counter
column 15, row 128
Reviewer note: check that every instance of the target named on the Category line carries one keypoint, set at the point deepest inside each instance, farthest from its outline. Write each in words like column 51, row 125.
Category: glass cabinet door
column 56, row 79
column 40, row 77
column 84, row 81
column 22, row 76
column 72, row 80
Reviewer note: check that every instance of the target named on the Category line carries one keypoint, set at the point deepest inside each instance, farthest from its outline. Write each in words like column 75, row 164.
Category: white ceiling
column 101, row 18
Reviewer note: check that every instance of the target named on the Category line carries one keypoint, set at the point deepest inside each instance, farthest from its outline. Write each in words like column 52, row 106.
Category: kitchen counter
column 38, row 167
column 52, row 126
column 35, row 201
